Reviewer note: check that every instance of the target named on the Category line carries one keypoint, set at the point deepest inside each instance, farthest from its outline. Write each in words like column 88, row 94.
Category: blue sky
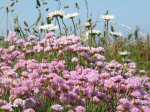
column 129, row 12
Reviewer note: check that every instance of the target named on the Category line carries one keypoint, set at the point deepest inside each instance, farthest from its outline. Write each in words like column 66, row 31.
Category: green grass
column 139, row 53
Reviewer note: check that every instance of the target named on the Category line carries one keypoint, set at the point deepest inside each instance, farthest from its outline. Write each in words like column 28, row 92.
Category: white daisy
column 57, row 13
column 107, row 17
column 117, row 34
column 87, row 24
column 142, row 71
column 124, row 53
column 74, row 59
column 49, row 27
column 96, row 32
column 70, row 16
column 57, row 107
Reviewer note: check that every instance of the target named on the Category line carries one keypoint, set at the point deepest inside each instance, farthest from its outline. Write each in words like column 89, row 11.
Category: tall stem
column 87, row 8
column 65, row 27
column 75, row 32
column 106, row 32
column 59, row 4
column 7, row 11
column 58, row 25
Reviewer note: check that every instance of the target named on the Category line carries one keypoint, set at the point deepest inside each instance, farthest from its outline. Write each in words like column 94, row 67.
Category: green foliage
column 139, row 52
column 2, row 110
column 3, row 44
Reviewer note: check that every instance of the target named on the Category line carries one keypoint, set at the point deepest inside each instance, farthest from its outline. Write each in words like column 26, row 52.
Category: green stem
column 64, row 26
column 75, row 32
column 58, row 25
column 7, row 30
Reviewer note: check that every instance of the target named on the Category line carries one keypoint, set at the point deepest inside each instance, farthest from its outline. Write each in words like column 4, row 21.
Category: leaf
column 38, row 3
column 12, row 4
column 130, row 36
column 12, row 10
column 47, row 9
column 7, row 9
column 45, row 3
column 112, row 28
column 35, row 31
column 1, row 7
column 66, row 6
column 49, row 20
column 77, row 5
column 26, row 24
column 107, row 12
column 136, row 33
column 17, row 29
column 39, row 18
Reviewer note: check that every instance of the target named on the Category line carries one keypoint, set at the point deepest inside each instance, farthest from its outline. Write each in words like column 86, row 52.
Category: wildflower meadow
column 61, row 63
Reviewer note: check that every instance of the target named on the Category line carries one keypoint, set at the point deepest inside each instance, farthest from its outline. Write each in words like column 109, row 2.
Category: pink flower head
column 96, row 99
column 2, row 102
column 80, row 109
column 109, row 83
column 57, row 108
column 125, row 103
column 133, row 82
column 92, row 76
column 29, row 110
column 135, row 109
column 18, row 102
column 7, row 107
column 12, row 38
column 137, row 94
column 49, row 35
column 146, row 109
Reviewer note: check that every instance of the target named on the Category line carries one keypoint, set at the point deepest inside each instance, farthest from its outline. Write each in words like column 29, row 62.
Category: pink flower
column 117, row 78
column 104, row 75
column 137, row 94
column 120, row 108
column 7, row 107
column 31, row 103
column 2, row 91
column 2, row 102
column 146, row 109
column 19, row 90
column 57, row 108
column 99, row 63
column 125, row 103
column 18, row 102
column 80, row 109
column 96, row 99
column 109, row 83
column 133, row 82
column 135, row 109
column 49, row 35
column 92, row 76
column 12, row 38
column 38, row 48
column 132, row 65
column 29, row 110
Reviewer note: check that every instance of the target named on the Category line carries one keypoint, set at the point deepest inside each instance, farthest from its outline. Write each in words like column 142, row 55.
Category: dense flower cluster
column 62, row 75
